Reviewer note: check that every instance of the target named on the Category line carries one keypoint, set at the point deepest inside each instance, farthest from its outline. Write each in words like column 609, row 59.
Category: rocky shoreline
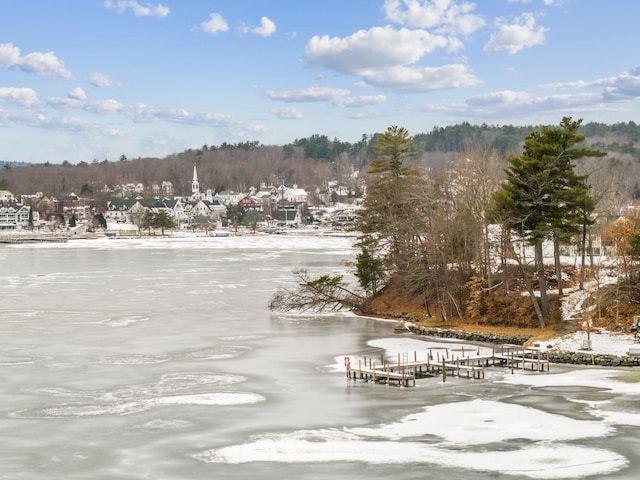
column 555, row 356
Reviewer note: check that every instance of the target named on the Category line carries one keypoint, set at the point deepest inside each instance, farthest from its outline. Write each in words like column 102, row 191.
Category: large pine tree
column 543, row 197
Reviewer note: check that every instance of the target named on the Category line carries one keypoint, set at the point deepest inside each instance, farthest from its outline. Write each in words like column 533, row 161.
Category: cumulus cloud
column 377, row 48
column 25, row 97
column 513, row 37
column 102, row 80
column 36, row 62
column 215, row 24
column 625, row 86
column 266, row 28
column 384, row 57
column 77, row 99
column 425, row 79
column 443, row 15
column 77, row 94
column 287, row 113
column 147, row 10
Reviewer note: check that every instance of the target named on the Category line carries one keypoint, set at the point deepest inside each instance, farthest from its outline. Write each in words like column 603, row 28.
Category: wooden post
column 512, row 363
column 360, row 368
column 373, row 369
column 444, row 371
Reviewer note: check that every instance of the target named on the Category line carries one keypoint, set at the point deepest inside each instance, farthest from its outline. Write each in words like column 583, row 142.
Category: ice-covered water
column 138, row 359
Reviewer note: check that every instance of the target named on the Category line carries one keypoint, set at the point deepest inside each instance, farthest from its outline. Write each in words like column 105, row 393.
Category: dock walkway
column 404, row 372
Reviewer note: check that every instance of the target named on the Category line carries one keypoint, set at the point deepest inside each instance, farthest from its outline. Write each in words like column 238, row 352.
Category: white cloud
column 77, row 99
column 36, row 62
column 9, row 55
column 362, row 101
column 624, row 86
column 215, row 24
column 581, row 97
column 336, row 96
column 147, row 10
column 266, row 28
column 511, row 38
column 287, row 113
column 311, row 94
column 443, row 15
column 501, row 99
column 102, row 80
column 383, row 57
column 77, row 94
column 425, row 79
column 105, row 106
column 25, row 97
column 377, row 48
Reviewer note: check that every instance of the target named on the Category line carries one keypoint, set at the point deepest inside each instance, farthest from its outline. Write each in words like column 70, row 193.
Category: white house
column 295, row 194
column 16, row 217
column 6, row 196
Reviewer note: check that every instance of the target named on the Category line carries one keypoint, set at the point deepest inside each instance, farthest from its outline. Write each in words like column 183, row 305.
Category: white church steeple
column 195, row 185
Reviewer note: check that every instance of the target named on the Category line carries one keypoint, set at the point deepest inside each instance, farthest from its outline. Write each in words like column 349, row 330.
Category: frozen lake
column 158, row 359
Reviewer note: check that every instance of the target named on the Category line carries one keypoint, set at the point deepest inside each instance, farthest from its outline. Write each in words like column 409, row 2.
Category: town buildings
column 265, row 206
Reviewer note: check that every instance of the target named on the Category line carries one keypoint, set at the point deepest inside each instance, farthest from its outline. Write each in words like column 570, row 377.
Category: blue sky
column 95, row 79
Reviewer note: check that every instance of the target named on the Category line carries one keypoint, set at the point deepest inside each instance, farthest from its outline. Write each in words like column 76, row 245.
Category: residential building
column 16, row 217
column 6, row 197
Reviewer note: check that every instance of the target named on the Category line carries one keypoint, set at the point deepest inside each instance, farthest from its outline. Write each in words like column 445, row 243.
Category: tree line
column 310, row 161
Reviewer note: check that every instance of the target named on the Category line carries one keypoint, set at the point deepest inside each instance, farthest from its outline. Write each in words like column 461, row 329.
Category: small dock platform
column 441, row 362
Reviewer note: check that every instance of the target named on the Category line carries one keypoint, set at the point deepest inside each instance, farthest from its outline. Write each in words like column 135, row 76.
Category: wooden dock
column 441, row 362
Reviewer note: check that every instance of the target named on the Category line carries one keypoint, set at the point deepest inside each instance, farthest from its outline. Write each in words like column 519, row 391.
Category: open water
column 139, row 359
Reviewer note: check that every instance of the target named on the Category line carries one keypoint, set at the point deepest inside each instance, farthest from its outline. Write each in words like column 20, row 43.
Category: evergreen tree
column 392, row 147
column 235, row 215
column 99, row 220
column 162, row 220
column 147, row 220
column 370, row 270
column 543, row 197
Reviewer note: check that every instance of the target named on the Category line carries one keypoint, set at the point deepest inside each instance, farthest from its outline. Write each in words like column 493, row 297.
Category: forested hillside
column 317, row 159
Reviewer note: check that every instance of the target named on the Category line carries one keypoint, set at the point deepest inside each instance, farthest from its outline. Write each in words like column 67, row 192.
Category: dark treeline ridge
column 308, row 162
